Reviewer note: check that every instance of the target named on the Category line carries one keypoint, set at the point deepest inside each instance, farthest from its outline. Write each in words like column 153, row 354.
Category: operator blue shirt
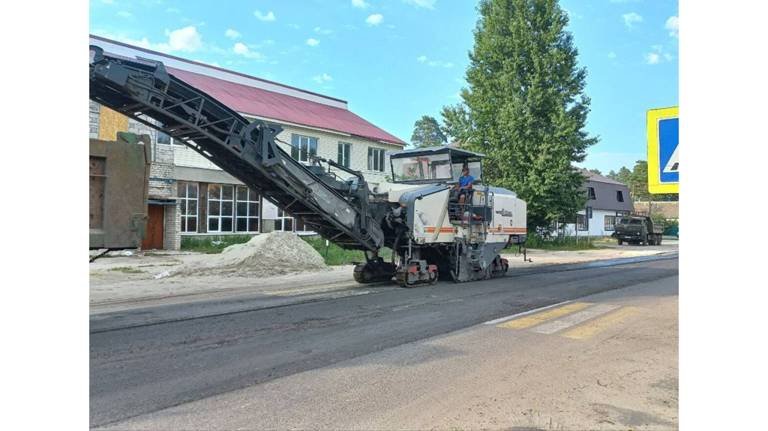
column 466, row 181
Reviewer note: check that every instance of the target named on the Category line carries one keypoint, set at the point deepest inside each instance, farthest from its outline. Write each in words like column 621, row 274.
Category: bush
column 212, row 244
column 335, row 255
column 536, row 241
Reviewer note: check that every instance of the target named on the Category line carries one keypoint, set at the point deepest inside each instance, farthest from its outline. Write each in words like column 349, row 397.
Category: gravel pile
column 265, row 255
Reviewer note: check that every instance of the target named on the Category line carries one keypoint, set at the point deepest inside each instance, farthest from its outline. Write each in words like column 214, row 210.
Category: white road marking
column 524, row 313
column 574, row 319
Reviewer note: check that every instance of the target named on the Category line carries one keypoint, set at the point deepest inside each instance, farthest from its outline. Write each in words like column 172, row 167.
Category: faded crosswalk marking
column 600, row 324
column 574, row 319
column 535, row 319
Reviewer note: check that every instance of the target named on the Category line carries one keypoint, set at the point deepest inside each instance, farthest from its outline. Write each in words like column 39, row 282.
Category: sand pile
column 265, row 255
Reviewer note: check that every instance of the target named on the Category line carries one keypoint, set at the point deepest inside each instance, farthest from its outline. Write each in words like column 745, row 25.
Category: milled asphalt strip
column 97, row 319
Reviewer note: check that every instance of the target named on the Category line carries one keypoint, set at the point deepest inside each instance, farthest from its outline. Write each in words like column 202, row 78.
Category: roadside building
column 191, row 197
column 607, row 199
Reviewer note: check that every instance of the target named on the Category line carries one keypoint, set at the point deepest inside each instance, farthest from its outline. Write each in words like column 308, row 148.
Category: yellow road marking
column 535, row 319
column 596, row 326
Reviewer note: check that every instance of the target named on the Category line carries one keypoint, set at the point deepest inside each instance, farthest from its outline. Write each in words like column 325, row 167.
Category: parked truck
column 638, row 229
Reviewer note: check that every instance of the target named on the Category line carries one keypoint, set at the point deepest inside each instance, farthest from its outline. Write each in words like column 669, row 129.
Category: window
column 343, row 156
column 93, row 119
column 610, row 222
column 246, row 210
column 581, row 222
column 375, row 159
column 283, row 222
column 220, row 207
column 188, row 204
column 591, row 193
column 619, row 196
column 432, row 167
column 163, row 138
column 303, row 147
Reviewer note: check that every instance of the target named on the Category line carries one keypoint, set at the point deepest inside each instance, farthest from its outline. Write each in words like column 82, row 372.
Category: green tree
column 612, row 174
column 427, row 133
column 527, row 105
column 596, row 171
column 638, row 182
column 457, row 124
column 624, row 176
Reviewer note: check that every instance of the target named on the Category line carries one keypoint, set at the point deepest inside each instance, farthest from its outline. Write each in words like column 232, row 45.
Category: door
column 153, row 236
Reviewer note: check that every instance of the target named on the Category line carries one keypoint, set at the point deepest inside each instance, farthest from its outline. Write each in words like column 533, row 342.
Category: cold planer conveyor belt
column 145, row 91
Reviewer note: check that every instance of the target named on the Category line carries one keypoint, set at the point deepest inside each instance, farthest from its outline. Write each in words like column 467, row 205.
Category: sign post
column 663, row 155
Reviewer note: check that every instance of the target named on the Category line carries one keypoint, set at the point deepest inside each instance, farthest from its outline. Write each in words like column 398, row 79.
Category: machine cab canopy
column 434, row 164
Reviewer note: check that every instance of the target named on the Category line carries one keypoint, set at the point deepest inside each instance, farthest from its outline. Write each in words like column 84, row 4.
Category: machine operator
column 465, row 184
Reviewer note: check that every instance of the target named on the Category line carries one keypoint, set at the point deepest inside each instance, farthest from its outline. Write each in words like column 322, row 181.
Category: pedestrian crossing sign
column 663, row 156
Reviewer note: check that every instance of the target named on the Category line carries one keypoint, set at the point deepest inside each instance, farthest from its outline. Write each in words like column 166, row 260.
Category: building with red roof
column 198, row 198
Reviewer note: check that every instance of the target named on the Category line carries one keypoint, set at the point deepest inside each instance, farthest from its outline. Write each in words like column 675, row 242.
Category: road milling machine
column 418, row 214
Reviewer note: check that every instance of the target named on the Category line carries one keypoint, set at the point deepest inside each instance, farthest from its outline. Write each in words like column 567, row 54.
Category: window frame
column 619, row 195
column 297, row 147
column 344, row 157
column 582, row 226
column 609, row 226
column 249, row 199
column 373, row 159
column 184, row 205
column 591, row 194
column 220, row 217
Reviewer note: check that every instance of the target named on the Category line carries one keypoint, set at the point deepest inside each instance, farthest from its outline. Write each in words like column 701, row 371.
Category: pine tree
column 427, row 133
column 527, row 105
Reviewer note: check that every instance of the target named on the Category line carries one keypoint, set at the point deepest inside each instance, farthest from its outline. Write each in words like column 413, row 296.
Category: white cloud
column 325, row 31
column 423, row 59
column 172, row 10
column 232, row 33
column 428, row 4
column 269, row 16
column 611, row 55
column 322, row 78
column 652, row 58
column 361, row 4
column 242, row 49
column 313, row 42
column 657, row 54
column 185, row 39
column 124, row 14
column 374, row 19
column 673, row 25
column 632, row 18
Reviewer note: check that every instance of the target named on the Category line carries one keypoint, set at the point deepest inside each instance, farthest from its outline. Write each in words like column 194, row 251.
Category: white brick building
column 199, row 199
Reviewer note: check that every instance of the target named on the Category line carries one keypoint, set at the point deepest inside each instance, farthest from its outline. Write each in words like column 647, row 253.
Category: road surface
column 604, row 355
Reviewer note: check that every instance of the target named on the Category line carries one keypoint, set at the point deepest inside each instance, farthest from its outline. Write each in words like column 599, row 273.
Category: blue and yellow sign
column 663, row 155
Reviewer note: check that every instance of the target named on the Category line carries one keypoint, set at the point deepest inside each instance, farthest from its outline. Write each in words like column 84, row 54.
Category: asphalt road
column 146, row 368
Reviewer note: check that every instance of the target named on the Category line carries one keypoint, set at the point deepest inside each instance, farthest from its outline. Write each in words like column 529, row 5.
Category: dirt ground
column 143, row 277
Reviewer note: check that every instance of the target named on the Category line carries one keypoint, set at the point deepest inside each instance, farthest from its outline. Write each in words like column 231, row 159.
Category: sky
column 396, row 60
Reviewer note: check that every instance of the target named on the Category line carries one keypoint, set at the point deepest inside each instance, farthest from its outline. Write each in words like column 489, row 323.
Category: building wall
column 596, row 225
column 327, row 147
column 171, row 234
column 172, row 163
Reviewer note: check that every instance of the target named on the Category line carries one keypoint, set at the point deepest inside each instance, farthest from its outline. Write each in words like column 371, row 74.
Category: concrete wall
column 327, row 147
column 596, row 225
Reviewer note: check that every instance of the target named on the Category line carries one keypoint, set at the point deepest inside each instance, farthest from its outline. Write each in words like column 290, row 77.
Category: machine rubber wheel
column 621, row 242
column 437, row 277
column 659, row 243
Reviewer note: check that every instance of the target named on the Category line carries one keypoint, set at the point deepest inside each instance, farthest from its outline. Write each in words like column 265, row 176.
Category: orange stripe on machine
column 431, row 229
